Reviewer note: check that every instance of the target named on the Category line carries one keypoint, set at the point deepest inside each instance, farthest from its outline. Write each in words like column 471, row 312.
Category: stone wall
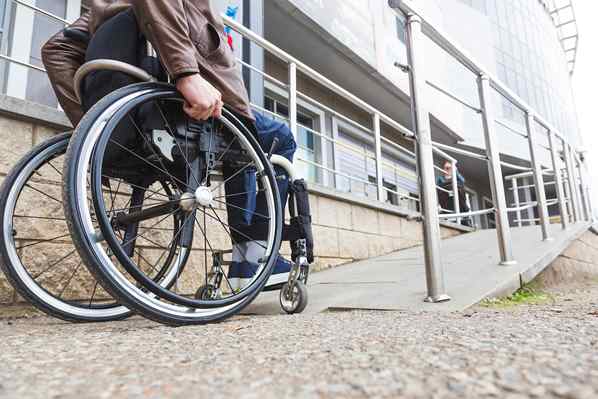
column 347, row 231
column 346, row 228
column 578, row 263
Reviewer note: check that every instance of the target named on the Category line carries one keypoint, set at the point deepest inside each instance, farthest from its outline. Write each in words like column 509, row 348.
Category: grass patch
column 529, row 294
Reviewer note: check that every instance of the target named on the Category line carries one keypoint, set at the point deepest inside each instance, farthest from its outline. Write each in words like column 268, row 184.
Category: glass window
column 308, row 147
column 29, row 31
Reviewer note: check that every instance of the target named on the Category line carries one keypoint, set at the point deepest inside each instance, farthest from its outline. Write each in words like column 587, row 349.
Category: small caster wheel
column 206, row 292
column 293, row 299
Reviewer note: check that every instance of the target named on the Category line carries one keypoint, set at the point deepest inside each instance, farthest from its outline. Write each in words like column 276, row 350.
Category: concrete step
column 397, row 281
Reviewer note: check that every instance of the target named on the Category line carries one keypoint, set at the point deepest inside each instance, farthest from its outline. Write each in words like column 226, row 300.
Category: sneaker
column 244, row 266
column 280, row 272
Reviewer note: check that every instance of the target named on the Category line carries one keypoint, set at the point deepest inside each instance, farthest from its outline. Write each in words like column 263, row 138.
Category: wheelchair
column 148, row 194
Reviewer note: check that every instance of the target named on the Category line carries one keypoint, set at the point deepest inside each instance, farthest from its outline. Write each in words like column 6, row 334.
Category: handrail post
column 378, row 144
column 515, row 187
column 571, row 182
column 425, row 163
column 503, row 229
column 293, row 99
column 558, row 181
column 538, row 176
column 588, row 189
column 455, row 189
column 567, row 191
column 582, row 190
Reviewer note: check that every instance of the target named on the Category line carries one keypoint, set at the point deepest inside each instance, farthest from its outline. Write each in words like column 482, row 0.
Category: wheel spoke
column 54, row 264
column 237, row 231
column 38, row 217
column 239, row 194
column 113, row 197
column 153, row 165
column 70, row 278
column 243, row 209
column 228, row 232
column 170, row 131
column 147, row 261
column 42, row 193
column 55, row 168
column 93, row 294
column 233, row 241
column 154, row 225
column 151, row 146
column 141, row 206
column 227, row 148
column 42, row 241
column 153, row 242
column 233, row 176
column 205, row 252
column 176, row 237
column 135, row 185
column 212, row 250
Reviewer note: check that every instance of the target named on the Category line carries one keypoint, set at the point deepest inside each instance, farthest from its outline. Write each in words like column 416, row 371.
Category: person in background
column 445, row 200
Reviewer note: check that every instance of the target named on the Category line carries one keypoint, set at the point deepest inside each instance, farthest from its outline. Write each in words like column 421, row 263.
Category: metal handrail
column 264, row 74
column 313, row 74
column 453, row 96
column 546, row 172
column 44, row 12
column 524, row 207
column 22, row 63
column 460, row 151
column 510, row 128
column 467, row 214
column 449, row 45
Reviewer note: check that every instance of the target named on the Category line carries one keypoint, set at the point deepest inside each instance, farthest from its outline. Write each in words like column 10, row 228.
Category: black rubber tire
column 301, row 302
column 60, row 142
column 73, row 216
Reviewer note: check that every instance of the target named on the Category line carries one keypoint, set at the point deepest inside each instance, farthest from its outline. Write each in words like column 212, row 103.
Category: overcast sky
column 585, row 83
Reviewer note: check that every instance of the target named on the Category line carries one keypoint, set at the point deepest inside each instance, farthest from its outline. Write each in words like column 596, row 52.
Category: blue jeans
column 246, row 209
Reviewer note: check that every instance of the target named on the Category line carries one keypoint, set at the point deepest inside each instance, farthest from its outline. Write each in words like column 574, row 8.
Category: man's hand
column 202, row 100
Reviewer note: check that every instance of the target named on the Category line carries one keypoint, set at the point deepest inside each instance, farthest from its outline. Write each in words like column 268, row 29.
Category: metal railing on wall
column 419, row 29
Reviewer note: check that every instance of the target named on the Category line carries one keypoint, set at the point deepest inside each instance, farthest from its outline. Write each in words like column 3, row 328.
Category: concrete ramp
column 397, row 281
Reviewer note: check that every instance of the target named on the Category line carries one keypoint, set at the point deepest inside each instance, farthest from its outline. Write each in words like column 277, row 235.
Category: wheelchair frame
column 293, row 294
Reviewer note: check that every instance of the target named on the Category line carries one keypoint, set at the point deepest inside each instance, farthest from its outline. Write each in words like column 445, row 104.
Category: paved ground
column 543, row 351
column 397, row 281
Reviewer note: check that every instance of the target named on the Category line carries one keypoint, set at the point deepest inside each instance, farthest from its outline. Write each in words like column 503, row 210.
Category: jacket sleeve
column 62, row 56
column 164, row 23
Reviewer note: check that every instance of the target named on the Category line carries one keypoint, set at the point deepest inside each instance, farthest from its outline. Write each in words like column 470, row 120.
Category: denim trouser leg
column 267, row 130
column 246, row 252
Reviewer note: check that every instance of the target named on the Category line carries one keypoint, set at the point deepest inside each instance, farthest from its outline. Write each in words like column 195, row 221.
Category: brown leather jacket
column 187, row 34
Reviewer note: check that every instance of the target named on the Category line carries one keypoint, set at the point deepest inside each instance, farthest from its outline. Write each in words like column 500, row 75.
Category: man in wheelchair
column 189, row 39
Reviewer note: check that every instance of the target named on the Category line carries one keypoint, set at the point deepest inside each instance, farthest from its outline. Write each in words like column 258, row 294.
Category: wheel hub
column 203, row 196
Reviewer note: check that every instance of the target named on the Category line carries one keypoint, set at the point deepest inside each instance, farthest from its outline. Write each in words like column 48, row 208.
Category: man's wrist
column 185, row 75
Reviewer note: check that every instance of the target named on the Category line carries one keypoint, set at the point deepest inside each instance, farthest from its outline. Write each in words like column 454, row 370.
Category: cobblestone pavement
column 543, row 351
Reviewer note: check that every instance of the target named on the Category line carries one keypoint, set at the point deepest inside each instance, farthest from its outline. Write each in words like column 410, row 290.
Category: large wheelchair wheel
column 38, row 255
column 138, row 137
